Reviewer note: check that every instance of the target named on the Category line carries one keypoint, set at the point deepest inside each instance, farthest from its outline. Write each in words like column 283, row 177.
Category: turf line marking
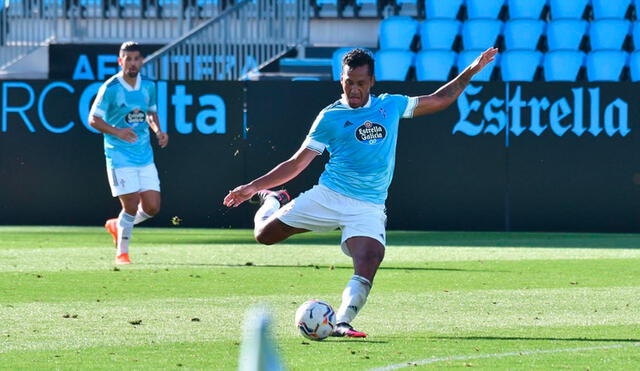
column 499, row 355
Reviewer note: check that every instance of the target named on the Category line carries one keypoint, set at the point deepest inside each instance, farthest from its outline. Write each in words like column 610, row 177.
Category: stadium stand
column 566, row 34
column 634, row 66
column 481, row 9
column 480, row 33
column 438, row 33
column 434, row 65
column 567, row 8
column 635, row 33
column 563, row 65
column 393, row 65
column 610, row 8
column 442, row 9
column 606, row 65
column 523, row 33
column 520, row 65
column 526, row 9
column 608, row 33
column 397, row 32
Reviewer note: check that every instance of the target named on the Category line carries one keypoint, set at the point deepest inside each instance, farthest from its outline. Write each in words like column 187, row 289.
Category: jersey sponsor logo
column 371, row 133
column 135, row 117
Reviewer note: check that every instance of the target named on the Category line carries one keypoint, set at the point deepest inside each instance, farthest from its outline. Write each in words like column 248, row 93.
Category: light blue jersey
column 123, row 106
column 361, row 144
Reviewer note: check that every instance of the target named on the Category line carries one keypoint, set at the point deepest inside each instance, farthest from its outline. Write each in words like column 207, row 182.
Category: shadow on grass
column 429, row 239
column 585, row 339
column 312, row 266
column 356, row 341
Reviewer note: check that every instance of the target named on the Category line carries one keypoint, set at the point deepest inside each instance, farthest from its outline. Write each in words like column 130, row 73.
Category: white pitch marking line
column 499, row 355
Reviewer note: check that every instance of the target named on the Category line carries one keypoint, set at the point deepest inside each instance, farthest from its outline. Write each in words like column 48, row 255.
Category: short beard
column 132, row 75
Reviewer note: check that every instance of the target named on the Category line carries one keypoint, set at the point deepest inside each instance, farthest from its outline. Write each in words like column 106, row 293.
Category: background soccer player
column 124, row 110
column 360, row 133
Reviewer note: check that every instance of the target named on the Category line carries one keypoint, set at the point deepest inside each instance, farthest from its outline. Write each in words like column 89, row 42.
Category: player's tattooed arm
column 448, row 93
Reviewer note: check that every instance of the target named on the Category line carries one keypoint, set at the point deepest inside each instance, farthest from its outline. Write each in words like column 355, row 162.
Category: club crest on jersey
column 371, row 133
column 135, row 117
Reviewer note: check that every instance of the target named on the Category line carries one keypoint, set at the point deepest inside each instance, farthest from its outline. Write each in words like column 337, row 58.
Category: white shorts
column 321, row 209
column 127, row 180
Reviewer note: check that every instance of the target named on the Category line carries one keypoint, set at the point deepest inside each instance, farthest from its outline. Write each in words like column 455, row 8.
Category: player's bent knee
column 370, row 257
column 264, row 238
column 151, row 210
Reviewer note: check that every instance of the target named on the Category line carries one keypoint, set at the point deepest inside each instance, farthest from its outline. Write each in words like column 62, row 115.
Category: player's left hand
column 483, row 59
column 239, row 195
column 163, row 138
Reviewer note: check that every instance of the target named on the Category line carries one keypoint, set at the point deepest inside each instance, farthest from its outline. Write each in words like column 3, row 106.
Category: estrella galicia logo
column 135, row 117
column 371, row 133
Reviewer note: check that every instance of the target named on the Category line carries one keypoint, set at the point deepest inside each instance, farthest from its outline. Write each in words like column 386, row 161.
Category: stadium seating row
column 512, row 9
column 515, row 65
column 399, row 32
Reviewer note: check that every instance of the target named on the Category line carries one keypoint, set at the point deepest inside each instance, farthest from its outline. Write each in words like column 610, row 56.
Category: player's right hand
column 127, row 134
column 239, row 195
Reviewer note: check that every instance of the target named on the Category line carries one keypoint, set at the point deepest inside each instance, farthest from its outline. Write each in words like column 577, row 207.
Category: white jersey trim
column 411, row 106
column 126, row 85
column 345, row 102
column 314, row 145
column 95, row 111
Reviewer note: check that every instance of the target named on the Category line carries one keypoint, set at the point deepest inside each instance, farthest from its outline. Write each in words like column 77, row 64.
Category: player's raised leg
column 367, row 254
column 269, row 230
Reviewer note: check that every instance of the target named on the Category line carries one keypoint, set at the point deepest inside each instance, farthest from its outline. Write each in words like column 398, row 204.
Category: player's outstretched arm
column 449, row 92
column 284, row 172
column 154, row 124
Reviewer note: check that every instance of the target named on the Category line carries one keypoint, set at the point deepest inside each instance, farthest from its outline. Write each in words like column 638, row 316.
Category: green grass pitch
column 441, row 300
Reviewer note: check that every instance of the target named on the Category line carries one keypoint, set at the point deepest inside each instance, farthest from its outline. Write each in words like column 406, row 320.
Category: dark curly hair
column 359, row 57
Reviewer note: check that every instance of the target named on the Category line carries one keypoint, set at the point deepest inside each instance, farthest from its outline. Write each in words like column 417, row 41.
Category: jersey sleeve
column 404, row 104
column 153, row 98
column 318, row 137
column 101, row 103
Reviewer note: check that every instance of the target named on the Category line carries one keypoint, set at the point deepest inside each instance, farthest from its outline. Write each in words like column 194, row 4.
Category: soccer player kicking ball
column 123, row 110
column 360, row 133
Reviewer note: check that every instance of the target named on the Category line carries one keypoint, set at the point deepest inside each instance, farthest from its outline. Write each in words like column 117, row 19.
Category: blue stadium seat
column 442, row 9
column 520, row 65
column 563, row 65
column 608, row 33
column 438, row 33
column 610, row 8
column 393, row 65
column 434, row 65
column 635, row 32
column 606, row 65
column 467, row 56
column 566, row 33
column 567, row 8
column 397, row 32
column 480, row 33
column 523, row 33
column 526, row 9
column 484, row 8
column 634, row 66
column 336, row 62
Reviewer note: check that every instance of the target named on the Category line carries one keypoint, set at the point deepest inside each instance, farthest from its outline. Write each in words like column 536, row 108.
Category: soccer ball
column 315, row 319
